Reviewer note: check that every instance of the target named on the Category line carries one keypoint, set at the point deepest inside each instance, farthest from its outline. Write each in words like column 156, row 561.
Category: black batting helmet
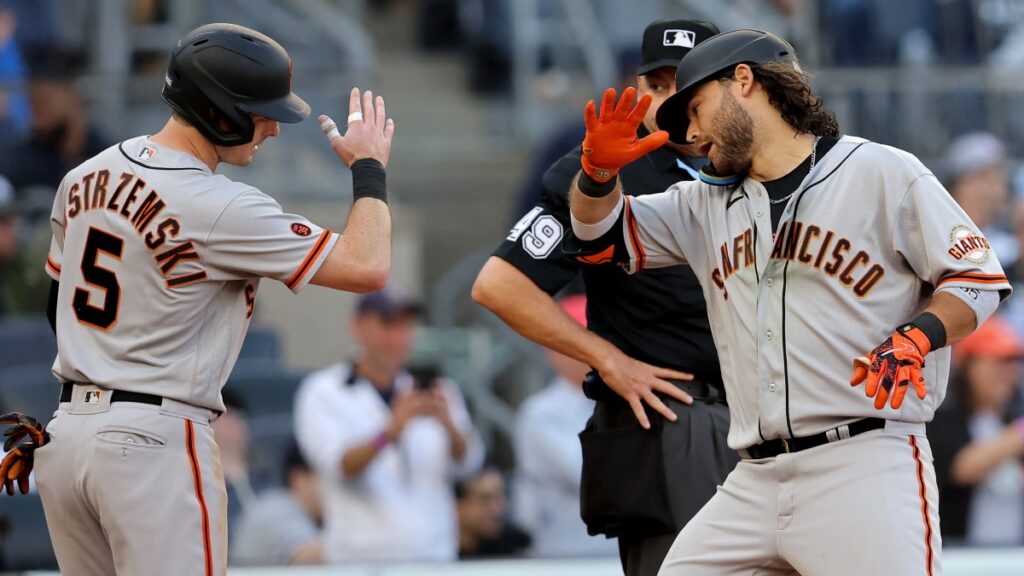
column 709, row 58
column 219, row 74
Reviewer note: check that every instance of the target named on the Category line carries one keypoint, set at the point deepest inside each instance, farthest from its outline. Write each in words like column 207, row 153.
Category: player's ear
column 743, row 76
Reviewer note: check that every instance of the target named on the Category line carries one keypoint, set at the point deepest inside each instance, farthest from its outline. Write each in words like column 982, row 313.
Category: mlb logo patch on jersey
column 681, row 38
column 147, row 153
column 92, row 397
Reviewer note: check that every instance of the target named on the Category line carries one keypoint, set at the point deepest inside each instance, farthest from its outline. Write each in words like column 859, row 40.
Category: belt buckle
column 785, row 445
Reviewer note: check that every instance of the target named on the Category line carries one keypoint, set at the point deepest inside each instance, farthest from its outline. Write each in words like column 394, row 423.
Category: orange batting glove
column 893, row 366
column 611, row 140
column 17, row 464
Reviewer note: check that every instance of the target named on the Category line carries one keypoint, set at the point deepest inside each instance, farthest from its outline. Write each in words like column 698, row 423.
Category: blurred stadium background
column 483, row 92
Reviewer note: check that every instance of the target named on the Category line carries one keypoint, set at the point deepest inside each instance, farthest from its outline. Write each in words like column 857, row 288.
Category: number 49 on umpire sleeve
column 98, row 277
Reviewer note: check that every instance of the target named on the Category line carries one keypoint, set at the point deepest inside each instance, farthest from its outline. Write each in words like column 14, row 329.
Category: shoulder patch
column 969, row 245
column 301, row 229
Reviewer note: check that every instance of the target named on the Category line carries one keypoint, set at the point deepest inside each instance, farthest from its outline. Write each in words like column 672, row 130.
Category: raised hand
column 611, row 141
column 369, row 131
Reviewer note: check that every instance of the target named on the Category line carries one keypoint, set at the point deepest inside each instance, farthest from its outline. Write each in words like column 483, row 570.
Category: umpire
column 646, row 469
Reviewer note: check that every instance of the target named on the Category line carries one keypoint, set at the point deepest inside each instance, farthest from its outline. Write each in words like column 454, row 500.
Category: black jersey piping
column 785, row 278
column 120, row 147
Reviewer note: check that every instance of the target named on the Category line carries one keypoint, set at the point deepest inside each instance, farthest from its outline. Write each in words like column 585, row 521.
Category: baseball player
column 819, row 255
column 156, row 261
column 664, row 325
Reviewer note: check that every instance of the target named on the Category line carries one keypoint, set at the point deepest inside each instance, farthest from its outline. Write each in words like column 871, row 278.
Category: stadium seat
column 266, row 393
column 26, row 341
column 26, row 542
column 31, row 389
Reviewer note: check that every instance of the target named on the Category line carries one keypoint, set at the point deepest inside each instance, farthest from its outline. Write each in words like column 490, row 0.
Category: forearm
column 591, row 207
column 524, row 307
column 978, row 459
column 957, row 317
column 457, row 445
column 355, row 461
column 361, row 259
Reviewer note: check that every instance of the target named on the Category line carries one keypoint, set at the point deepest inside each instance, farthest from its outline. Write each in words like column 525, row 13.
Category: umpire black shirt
column 657, row 316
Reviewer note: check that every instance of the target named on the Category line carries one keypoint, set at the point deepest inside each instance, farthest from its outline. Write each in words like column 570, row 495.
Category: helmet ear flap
column 225, row 126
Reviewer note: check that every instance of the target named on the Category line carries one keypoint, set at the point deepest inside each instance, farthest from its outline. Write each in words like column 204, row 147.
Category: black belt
column 115, row 395
column 773, row 448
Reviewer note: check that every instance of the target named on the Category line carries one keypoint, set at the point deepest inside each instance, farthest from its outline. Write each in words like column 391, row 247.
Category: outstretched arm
column 361, row 259
column 528, row 310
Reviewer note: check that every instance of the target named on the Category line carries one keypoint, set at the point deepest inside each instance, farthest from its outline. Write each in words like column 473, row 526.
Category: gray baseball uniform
column 862, row 244
column 159, row 261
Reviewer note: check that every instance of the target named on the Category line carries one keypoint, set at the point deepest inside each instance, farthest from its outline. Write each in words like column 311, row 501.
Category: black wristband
column 369, row 180
column 932, row 327
column 594, row 189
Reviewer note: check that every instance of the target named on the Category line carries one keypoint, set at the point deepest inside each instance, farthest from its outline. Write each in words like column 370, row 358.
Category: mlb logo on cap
column 681, row 38
column 92, row 397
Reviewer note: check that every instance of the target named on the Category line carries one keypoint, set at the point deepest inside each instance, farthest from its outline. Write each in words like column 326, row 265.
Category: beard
column 734, row 129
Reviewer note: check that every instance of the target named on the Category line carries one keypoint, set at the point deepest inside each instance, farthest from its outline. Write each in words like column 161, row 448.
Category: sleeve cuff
column 312, row 262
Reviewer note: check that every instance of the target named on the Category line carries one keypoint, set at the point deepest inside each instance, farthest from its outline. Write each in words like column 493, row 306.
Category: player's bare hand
column 639, row 383
column 368, row 133
column 405, row 407
column 889, row 370
column 436, row 405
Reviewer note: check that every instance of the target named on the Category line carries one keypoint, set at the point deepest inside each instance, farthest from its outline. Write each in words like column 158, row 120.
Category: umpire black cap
column 667, row 41
column 719, row 53
column 219, row 74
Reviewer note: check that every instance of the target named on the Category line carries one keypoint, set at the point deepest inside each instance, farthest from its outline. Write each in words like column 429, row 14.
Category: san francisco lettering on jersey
column 810, row 245
column 130, row 199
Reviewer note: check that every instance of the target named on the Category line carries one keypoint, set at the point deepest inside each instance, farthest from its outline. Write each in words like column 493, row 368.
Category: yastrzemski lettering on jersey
column 159, row 261
column 861, row 246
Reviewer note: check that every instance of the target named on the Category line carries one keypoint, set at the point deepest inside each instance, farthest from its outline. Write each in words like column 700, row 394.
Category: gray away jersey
column 159, row 261
column 861, row 245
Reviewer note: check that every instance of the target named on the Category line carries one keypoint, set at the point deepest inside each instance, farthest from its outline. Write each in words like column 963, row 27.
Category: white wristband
column 596, row 230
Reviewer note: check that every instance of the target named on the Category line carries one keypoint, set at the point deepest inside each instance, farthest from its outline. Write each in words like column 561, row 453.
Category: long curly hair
column 790, row 93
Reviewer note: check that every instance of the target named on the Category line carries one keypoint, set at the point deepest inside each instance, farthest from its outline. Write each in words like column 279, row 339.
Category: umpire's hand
column 637, row 382
column 369, row 131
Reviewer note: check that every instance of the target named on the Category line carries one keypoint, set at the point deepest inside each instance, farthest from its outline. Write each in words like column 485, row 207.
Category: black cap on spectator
column 388, row 303
column 667, row 41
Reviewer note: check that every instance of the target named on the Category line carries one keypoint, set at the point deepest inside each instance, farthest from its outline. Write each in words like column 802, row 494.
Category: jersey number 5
column 98, row 277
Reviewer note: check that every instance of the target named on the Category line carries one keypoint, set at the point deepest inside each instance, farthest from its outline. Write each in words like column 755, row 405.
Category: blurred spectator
column 386, row 445
column 14, row 108
column 60, row 136
column 483, row 529
column 24, row 286
column 978, row 180
column 283, row 525
column 231, row 431
column 37, row 25
column 976, row 446
column 546, row 499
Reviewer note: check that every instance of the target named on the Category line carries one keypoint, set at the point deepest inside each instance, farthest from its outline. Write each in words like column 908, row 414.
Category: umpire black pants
column 695, row 461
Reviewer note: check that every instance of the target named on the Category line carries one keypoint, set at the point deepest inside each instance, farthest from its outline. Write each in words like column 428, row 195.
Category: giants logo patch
column 969, row 245
column 301, row 229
